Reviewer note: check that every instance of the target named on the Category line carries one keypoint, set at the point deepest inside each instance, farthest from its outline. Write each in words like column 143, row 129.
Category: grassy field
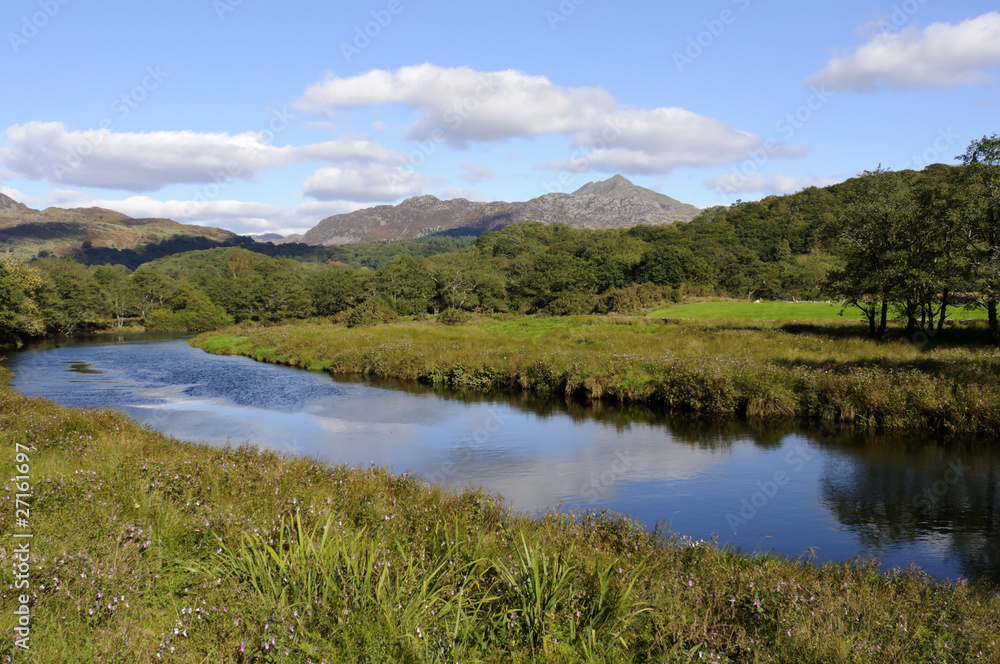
column 779, row 311
column 147, row 549
column 828, row 372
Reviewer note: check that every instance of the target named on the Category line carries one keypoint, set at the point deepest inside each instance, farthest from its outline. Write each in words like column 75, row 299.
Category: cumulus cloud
column 363, row 183
column 243, row 217
column 151, row 161
column 475, row 173
column 941, row 55
column 461, row 105
column 768, row 183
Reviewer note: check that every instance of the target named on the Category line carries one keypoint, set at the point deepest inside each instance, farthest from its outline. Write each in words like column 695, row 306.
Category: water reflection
column 757, row 487
column 895, row 495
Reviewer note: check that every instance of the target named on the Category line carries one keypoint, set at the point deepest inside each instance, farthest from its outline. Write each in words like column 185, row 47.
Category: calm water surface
column 788, row 490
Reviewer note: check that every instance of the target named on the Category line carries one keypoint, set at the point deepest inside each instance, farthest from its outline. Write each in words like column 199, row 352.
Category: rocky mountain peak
column 8, row 204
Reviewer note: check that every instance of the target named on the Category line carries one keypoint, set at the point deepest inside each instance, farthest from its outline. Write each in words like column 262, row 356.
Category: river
column 797, row 491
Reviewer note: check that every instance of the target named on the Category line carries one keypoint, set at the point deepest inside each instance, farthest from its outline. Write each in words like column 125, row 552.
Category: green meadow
column 780, row 311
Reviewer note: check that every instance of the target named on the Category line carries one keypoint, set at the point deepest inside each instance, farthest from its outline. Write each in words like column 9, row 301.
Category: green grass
column 827, row 371
column 147, row 549
column 779, row 311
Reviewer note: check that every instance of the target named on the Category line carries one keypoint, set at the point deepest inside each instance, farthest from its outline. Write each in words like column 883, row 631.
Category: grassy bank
column 826, row 372
column 147, row 549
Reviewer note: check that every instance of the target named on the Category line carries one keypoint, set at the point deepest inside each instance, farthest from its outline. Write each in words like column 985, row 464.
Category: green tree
column 20, row 288
column 151, row 290
column 188, row 309
column 465, row 281
column 407, row 284
column 877, row 211
column 980, row 205
column 72, row 299
column 337, row 290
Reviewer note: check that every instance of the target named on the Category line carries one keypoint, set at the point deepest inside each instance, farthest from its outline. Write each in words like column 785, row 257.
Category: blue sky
column 260, row 117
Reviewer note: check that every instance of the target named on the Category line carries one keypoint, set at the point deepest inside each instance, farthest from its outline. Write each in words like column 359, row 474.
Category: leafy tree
column 406, row 284
column 338, row 290
column 151, row 290
column 73, row 298
column 20, row 288
column 878, row 209
column 980, row 206
column 465, row 281
column 188, row 309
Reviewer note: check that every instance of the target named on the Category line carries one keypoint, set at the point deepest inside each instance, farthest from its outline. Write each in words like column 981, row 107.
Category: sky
column 263, row 117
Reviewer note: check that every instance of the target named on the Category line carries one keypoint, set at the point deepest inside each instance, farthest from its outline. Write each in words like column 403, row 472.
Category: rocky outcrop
column 8, row 204
column 620, row 187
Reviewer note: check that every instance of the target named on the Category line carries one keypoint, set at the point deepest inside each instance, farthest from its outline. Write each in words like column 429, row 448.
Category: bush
column 453, row 317
column 370, row 312
column 198, row 317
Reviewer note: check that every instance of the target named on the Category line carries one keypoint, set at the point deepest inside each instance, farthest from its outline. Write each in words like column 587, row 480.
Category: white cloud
column 363, row 183
column 151, row 161
column 461, row 105
column 243, row 217
column 941, row 55
column 772, row 183
column 475, row 173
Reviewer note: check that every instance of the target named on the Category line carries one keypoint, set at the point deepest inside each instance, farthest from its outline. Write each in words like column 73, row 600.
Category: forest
column 916, row 247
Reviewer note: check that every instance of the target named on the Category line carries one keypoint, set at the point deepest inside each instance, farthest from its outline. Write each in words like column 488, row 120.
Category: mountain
column 268, row 237
column 620, row 187
column 628, row 206
column 63, row 232
column 8, row 204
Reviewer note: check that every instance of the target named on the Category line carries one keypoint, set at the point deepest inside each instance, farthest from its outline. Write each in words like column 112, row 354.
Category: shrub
column 370, row 312
column 453, row 317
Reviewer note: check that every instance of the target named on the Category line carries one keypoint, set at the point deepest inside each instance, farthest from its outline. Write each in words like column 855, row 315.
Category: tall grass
column 762, row 371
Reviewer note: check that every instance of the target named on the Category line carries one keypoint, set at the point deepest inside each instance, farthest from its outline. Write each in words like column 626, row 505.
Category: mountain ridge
column 27, row 232
column 415, row 217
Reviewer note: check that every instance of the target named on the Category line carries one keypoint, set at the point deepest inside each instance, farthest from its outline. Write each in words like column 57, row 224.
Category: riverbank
column 826, row 372
column 149, row 549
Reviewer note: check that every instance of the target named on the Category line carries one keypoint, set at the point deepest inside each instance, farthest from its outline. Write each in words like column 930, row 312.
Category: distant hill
column 625, row 205
column 64, row 232
column 620, row 187
column 268, row 237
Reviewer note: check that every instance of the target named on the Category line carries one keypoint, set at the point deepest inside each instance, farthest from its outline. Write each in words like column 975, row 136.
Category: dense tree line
column 916, row 246
column 370, row 255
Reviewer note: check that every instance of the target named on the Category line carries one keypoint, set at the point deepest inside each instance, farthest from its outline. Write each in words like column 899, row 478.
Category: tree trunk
column 882, row 319
column 991, row 310
column 944, row 307
column 911, row 317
